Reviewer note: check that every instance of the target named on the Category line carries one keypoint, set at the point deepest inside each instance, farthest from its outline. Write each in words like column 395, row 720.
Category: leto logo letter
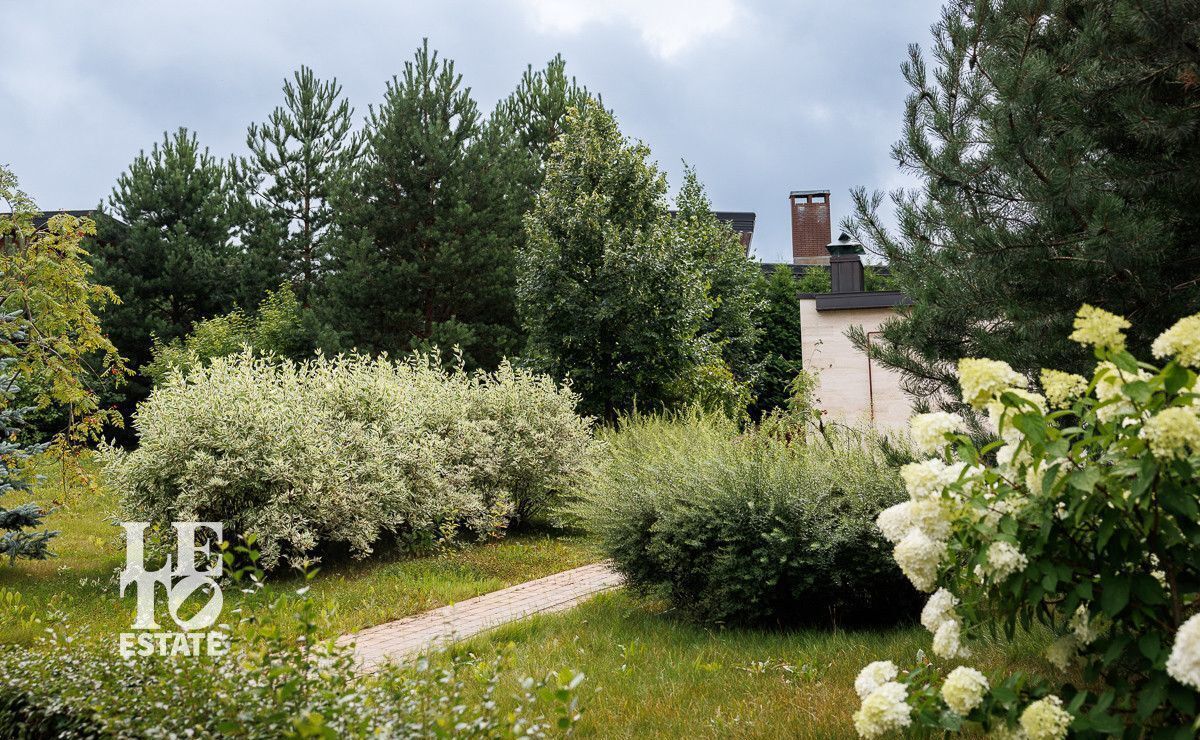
column 180, row 583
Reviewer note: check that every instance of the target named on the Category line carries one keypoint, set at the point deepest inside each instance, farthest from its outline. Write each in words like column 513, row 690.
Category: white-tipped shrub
column 350, row 449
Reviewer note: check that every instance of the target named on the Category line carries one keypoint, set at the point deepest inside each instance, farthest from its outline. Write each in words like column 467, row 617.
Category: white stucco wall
column 850, row 388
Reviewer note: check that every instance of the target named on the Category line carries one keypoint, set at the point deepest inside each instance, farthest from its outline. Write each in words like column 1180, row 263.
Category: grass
column 652, row 675
column 80, row 585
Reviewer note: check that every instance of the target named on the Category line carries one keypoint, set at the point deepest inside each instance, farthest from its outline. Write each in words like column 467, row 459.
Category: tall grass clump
column 750, row 527
column 345, row 451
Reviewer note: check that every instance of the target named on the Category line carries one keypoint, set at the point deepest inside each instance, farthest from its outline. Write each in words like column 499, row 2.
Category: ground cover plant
column 1083, row 518
column 349, row 451
column 750, row 526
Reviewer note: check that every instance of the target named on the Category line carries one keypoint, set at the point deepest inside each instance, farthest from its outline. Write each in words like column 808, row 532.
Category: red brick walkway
column 413, row 635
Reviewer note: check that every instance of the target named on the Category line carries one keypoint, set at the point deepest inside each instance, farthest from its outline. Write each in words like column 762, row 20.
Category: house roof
column 741, row 222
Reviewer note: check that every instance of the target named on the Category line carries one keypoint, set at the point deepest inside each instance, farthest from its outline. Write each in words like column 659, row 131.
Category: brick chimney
column 811, row 228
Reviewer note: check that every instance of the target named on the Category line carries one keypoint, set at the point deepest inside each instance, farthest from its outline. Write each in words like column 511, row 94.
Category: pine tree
column 730, row 278
column 166, row 247
column 780, row 345
column 297, row 158
column 1058, row 144
column 608, row 293
column 418, row 263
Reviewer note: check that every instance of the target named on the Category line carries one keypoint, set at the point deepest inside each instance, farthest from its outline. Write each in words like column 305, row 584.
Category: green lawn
column 80, row 585
column 652, row 675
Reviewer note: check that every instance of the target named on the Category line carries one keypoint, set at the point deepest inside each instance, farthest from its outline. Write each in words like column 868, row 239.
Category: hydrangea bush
column 1083, row 517
column 350, row 449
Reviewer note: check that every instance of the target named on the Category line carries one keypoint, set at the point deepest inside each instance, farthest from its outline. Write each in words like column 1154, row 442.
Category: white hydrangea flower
column 1184, row 663
column 1099, row 328
column 918, row 557
column 982, row 380
column 939, row 609
column 1001, row 416
column 924, row 479
column 932, row 517
column 947, row 641
column 1173, row 432
column 1110, row 386
column 873, row 676
column 1045, row 719
column 1062, row 651
column 1062, row 388
column 895, row 521
column 1004, row 559
column 929, row 430
column 964, row 690
column 884, row 710
column 1182, row 340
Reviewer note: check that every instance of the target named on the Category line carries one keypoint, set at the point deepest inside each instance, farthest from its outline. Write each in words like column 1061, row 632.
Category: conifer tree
column 166, row 245
column 297, row 158
column 608, row 293
column 1057, row 144
column 417, row 261
column 729, row 277
column 780, row 344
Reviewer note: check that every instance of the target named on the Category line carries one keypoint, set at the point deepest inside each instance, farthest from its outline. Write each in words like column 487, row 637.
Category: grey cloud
column 796, row 95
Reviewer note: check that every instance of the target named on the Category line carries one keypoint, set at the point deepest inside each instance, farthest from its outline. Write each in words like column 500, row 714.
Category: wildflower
column 1045, row 719
column 929, row 430
column 1099, row 328
column 1004, row 559
column 1172, row 432
column 947, row 641
column 895, row 521
column 1182, row 340
column 1062, row 651
column 964, row 690
column 1062, row 388
column 982, row 380
column 938, row 609
column 918, row 557
column 884, row 710
column 1184, row 663
column 873, row 676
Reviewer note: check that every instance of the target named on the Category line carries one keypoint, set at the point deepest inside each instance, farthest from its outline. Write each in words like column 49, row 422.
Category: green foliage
column 167, row 247
column 780, row 345
column 351, row 450
column 609, row 289
column 418, row 262
column 1086, row 523
column 816, row 279
column 1056, row 144
column 298, row 158
column 730, row 280
column 280, row 328
column 750, row 527
column 876, row 280
column 270, row 685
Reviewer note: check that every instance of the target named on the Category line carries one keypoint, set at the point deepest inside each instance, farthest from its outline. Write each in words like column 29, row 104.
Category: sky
column 761, row 97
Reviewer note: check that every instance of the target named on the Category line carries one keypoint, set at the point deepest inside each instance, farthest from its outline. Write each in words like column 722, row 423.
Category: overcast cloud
column 762, row 97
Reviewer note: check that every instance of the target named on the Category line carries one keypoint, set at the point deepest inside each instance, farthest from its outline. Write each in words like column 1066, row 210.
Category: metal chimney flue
column 845, row 265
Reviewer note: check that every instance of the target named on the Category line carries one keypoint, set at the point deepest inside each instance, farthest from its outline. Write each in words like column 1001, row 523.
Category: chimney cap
column 802, row 193
column 845, row 244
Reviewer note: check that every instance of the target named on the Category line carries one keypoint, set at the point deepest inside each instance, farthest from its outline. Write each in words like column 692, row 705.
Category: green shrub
column 749, row 527
column 349, row 449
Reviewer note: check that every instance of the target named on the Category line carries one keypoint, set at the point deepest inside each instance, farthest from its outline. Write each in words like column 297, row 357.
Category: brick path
column 417, row 634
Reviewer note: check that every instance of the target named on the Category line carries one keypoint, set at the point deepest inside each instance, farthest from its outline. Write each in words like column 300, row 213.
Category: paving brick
column 411, row 636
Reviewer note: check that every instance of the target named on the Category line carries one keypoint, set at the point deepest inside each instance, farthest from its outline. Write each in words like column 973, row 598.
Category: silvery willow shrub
column 746, row 526
column 350, row 449
column 279, row 680
column 1083, row 517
